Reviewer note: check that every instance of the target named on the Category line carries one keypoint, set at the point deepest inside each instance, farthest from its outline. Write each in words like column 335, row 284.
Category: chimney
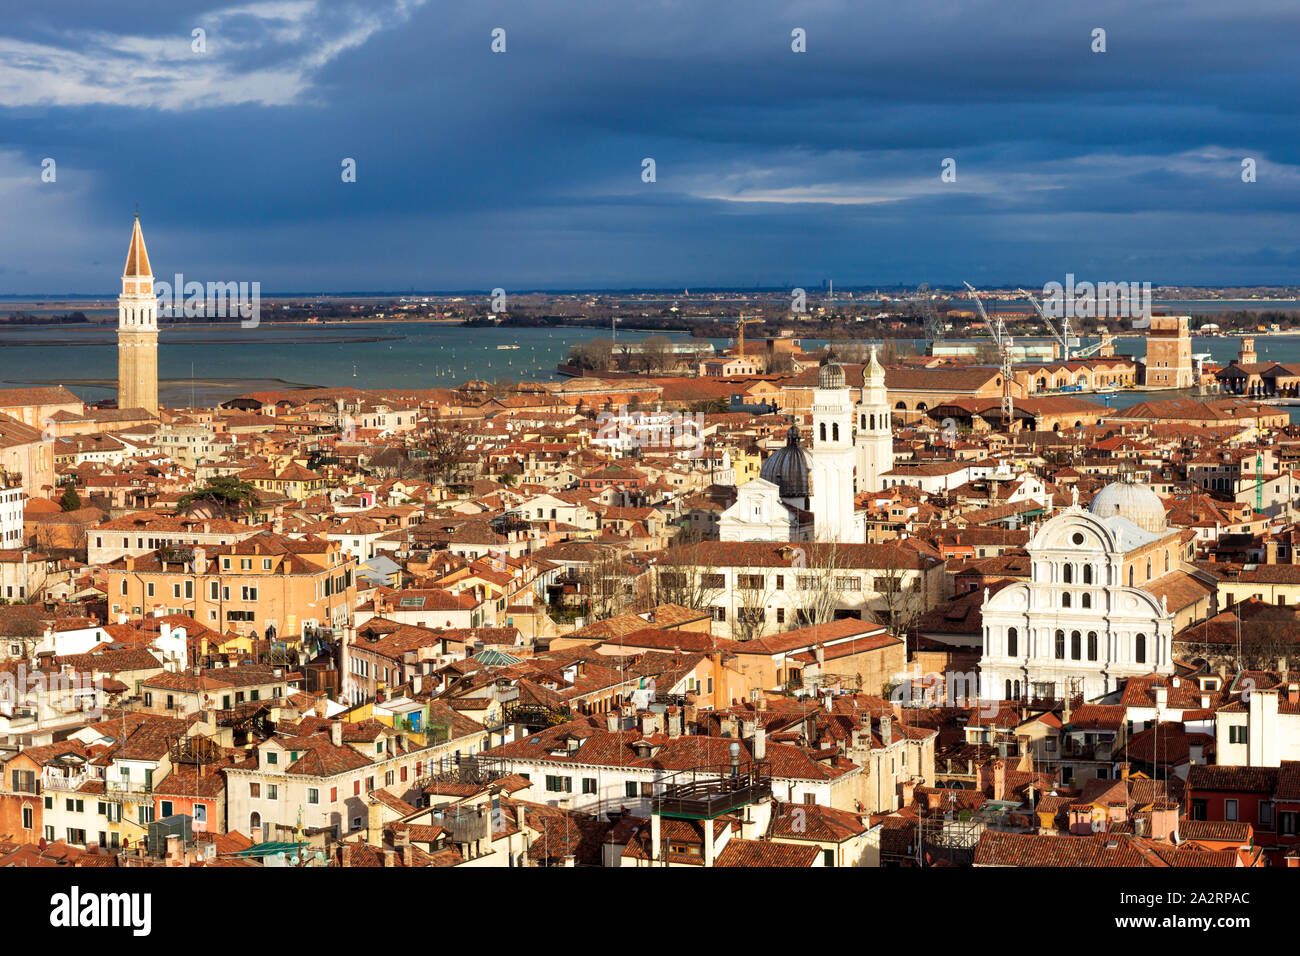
column 1164, row 821
column 612, row 722
column 886, row 730
column 336, row 734
column 1270, row 551
column 999, row 780
column 402, row 837
column 908, row 790
column 1293, row 693
column 374, row 823
column 759, row 745
column 674, row 718
column 320, row 708
column 1080, row 820
column 390, row 858
column 175, row 855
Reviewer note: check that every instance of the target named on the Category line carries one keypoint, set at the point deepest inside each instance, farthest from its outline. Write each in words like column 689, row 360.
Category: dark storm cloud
column 523, row 169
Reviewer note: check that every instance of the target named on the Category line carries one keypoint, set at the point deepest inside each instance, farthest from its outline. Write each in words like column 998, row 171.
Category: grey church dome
column 787, row 467
column 830, row 375
column 1131, row 500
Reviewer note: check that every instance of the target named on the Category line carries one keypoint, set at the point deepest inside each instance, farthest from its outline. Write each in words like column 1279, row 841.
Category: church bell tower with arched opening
column 137, row 330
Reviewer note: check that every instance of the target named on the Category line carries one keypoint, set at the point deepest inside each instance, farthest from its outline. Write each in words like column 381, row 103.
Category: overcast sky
column 523, row 169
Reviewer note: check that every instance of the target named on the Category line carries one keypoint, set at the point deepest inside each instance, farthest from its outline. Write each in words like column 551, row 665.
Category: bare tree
column 657, row 353
column 752, row 595
column 815, row 581
column 446, row 445
column 684, row 577
column 898, row 582
column 607, row 584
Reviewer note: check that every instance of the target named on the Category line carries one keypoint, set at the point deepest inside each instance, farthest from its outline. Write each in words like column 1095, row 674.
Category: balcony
column 128, row 787
column 466, row 824
column 705, row 793
column 58, row 781
column 1081, row 751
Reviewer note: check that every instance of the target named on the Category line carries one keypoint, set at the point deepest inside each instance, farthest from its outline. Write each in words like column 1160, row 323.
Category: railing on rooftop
column 58, row 781
column 706, row 792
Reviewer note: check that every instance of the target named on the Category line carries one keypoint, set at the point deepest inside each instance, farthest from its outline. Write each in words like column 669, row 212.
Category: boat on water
column 503, row 348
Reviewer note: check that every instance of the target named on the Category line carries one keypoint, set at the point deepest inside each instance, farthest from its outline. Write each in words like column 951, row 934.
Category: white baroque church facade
column 808, row 494
column 1086, row 620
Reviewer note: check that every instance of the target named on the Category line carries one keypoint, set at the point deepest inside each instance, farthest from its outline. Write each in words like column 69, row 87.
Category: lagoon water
column 214, row 363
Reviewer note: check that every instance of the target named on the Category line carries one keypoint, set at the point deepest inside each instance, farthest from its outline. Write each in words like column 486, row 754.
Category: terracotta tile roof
column 762, row 853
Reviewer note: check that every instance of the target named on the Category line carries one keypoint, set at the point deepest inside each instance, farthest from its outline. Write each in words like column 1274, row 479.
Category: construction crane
column 934, row 323
column 740, row 333
column 1090, row 350
column 1062, row 334
column 1002, row 339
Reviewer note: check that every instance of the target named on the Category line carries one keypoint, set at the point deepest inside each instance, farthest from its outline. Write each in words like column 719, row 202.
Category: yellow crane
column 740, row 333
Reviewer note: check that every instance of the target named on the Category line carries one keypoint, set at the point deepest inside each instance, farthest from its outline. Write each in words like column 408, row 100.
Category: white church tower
column 875, row 433
column 832, row 459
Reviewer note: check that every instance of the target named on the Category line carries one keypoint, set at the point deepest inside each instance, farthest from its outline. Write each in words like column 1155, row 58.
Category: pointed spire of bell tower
column 137, row 257
column 137, row 330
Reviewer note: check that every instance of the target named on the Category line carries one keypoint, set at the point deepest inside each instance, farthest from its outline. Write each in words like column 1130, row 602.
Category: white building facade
column 1083, row 623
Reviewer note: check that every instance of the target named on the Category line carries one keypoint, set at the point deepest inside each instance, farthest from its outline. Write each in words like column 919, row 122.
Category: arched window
column 1076, row 645
column 1140, row 649
column 835, row 431
column 1130, row 575
column 1086, row 600
column 1011, row 642
column 901, row 406
column 1008, row 696
column 1087, row 574
column 823, row 431
column 1065, row 598
column 1092, row 645
column 1060, row 645
column 873, row 422
column 1068, row 573
column 1166, row 559
column 862, row 421
column 1016, row 688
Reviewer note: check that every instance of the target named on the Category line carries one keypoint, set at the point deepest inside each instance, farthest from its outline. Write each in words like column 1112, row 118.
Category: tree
column 751, row 598
column 898, row 582
column 225, row 493
column 70, row 501
column 814, row 569
column 446, row 445
column 606, row 583
column 685, row 578
column 657, row 353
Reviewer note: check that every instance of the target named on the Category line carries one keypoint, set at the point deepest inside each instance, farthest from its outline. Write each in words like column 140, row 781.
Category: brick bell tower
column 137, row 330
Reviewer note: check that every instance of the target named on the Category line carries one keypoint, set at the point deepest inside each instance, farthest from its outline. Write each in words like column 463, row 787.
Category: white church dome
column 1131, row 500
